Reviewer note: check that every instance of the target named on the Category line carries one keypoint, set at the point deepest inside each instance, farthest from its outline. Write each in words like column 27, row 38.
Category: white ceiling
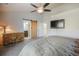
column 27, row 7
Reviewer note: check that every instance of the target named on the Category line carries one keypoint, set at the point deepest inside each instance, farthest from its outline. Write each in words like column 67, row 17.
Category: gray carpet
column 13, row 50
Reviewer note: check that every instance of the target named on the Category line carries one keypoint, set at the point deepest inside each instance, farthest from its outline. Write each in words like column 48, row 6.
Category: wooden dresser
column 1, row 40
column 12, row 38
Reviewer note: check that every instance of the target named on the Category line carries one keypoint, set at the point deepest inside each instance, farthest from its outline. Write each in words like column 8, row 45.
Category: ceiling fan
column 41, row 9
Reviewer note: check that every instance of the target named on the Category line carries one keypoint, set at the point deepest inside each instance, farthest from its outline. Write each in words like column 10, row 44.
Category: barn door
column 33, row 29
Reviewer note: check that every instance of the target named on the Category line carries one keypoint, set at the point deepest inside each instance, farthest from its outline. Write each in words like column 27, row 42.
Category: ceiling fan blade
column 33, row 11
column 48, row 10
column 34, row 5
column 46, row 4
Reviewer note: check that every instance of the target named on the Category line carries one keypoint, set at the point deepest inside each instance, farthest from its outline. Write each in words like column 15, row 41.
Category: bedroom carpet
column 13, row 50
column 50, row 46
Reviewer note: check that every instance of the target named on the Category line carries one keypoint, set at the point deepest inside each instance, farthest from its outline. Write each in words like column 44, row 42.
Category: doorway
column 30, row 29
column 27, row 29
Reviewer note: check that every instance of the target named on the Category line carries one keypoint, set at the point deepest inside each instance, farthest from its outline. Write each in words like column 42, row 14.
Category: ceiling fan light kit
column 41, row 9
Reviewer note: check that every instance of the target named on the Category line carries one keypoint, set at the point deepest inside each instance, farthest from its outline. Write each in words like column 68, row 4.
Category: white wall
column 14, row 19
column 71, row 24
column 69, row 12
column 41, row 29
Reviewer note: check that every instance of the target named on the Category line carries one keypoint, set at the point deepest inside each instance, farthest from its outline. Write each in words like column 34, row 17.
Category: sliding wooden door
column 34, row 29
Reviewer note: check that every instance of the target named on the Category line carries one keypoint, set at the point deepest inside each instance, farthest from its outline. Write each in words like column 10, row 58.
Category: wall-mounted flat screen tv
column 57, row 23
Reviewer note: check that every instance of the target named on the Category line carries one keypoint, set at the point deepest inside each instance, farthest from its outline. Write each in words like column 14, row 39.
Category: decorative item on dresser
column 12, row 38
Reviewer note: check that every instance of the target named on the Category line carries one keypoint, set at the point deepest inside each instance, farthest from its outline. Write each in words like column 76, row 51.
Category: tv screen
column 57, row 23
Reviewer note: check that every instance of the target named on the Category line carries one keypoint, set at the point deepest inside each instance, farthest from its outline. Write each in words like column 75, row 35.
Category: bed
column 50, row 46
